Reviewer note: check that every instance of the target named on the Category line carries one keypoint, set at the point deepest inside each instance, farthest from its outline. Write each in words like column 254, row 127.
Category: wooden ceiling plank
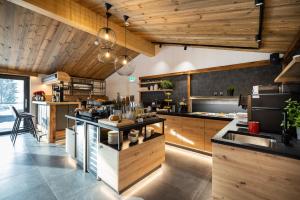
column 69, row 12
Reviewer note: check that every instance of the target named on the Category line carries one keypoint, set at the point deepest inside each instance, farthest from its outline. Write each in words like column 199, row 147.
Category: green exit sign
column 131, row 78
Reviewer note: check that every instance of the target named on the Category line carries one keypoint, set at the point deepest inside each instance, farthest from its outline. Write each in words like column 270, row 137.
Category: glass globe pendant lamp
column 123, row 65
column 106, row 37
column 106, row 55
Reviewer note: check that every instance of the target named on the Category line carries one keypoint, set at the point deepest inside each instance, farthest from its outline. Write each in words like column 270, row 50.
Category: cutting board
column 124, row 122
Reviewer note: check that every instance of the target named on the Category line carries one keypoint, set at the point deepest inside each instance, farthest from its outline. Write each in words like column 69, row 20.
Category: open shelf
column 164, row 90
column 150, row 82
column 291, row 73
column 224, row 98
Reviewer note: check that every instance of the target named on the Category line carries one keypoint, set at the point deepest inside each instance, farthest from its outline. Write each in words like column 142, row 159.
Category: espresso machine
column 58, row 92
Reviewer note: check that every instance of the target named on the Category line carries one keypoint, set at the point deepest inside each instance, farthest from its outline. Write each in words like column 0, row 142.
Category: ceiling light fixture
column 122, row 63
column 106, row 55
column 106, row 37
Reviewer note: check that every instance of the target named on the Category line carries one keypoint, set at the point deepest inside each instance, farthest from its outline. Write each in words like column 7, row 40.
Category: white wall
column 174, row 59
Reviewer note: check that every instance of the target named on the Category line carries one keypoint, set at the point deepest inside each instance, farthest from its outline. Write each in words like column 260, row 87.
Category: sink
column 264, row 141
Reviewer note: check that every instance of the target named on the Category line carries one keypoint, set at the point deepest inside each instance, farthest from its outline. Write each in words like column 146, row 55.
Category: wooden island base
column 122, row 169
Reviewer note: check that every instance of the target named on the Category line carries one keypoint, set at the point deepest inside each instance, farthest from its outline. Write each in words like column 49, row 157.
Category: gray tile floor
column 40, row 171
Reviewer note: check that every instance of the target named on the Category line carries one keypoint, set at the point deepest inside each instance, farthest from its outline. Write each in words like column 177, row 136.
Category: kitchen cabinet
column 194, row 133
column 212, row 127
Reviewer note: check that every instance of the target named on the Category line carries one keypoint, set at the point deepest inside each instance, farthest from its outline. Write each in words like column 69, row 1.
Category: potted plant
column 297, row 125
column 166, row 84
column 292, row 110
column 230, row 91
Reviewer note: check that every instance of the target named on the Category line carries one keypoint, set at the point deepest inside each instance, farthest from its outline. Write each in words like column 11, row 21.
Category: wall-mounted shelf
column 223, row 98
column 150, row 82
column 291, row 73
column 164, row 90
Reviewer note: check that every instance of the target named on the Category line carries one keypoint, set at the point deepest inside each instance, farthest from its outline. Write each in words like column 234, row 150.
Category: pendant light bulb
column 106, row 36
column 106, row 56
column 125, row 61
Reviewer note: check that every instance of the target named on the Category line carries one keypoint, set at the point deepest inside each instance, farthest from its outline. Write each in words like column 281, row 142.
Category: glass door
column 14, row 91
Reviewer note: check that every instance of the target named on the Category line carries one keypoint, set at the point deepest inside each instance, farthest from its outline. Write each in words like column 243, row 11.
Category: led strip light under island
column 122, row 165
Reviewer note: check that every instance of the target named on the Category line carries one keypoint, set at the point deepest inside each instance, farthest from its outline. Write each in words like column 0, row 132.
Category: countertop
column 277, row 148
column 194, row 115
column 55, row 103
column 126, row 144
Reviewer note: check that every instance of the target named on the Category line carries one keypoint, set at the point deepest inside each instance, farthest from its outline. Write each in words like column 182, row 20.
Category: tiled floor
column 44, row 172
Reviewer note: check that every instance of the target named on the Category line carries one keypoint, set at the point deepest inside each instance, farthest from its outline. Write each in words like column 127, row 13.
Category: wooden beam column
column 189, row 103
column 82, row 18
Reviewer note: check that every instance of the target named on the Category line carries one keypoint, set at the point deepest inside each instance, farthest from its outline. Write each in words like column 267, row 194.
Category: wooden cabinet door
column 173, row 129
column 193, row 133
column 212, row 127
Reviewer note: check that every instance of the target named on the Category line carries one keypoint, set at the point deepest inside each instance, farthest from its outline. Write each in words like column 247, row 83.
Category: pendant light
column 106, row 37
column 122, row 62
column 106, row 55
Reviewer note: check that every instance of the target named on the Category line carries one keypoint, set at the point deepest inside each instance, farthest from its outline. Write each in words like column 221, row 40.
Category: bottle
column 285, row 135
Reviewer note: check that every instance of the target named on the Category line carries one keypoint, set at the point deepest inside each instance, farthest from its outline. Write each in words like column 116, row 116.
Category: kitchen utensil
column 149, row 132
column 113, row 137
column 253, row 127
column 133, row 136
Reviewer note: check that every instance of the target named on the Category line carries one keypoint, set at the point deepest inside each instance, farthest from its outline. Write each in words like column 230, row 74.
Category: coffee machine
column 58, row 92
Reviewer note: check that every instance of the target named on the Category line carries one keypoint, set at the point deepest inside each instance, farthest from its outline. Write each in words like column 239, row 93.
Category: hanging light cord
column 125, row 39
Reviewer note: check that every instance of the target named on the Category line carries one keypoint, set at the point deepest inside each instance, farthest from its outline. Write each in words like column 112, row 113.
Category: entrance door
column 14, row 91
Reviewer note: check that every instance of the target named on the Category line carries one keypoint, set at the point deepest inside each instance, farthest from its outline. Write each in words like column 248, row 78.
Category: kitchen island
column 119, row 166
column 50, row 118
column 254, row 166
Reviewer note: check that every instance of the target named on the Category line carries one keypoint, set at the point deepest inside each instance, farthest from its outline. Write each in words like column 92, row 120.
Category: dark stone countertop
column 193, row 115
column 277, row 148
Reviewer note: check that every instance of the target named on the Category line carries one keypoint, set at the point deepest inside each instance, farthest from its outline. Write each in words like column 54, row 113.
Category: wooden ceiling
column 208, row 22
column 33, row 43
column 30, row 42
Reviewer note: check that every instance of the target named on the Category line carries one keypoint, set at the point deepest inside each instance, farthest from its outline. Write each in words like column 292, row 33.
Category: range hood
column 56, row 78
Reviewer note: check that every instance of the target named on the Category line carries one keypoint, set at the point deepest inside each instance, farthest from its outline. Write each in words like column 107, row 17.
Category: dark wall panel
column 242, row 79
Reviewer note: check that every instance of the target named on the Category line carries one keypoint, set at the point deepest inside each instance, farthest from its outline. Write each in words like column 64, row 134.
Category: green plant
column 231, row 88
column 166, row 84
column 230, row 91
column 297, row 121
column 293, row 111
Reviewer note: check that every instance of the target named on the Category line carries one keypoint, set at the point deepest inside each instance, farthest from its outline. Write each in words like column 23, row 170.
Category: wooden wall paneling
column 245, row 174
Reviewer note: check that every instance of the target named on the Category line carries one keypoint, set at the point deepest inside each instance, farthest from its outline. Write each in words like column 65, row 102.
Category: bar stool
column 28, row 125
